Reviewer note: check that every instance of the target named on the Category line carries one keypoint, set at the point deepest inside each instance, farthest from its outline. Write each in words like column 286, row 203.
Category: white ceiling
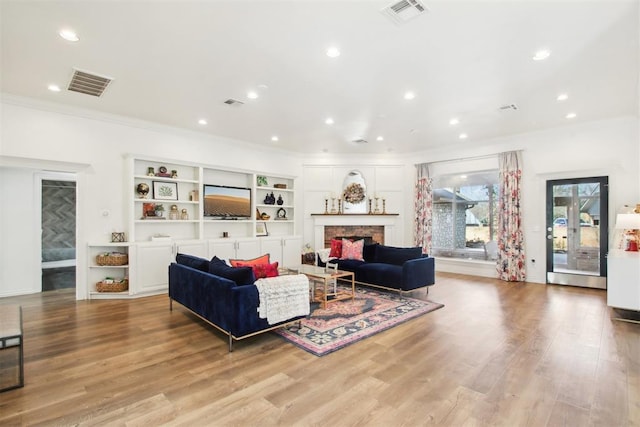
column 174, row 62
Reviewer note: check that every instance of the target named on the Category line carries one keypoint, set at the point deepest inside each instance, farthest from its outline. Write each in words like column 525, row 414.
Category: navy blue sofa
column 226, row 305
column 389, row 267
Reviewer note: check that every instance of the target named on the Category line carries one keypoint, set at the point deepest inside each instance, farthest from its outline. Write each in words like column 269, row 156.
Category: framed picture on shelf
column 261, row 229
column 148, row 210
column 165, row 190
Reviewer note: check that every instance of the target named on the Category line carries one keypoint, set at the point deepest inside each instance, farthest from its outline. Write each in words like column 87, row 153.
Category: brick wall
column 376, row 232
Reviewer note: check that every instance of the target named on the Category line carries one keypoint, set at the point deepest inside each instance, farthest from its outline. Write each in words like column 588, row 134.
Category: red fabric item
column 264, row 259
column 260, row 271
column 336, row 248
column 352, row 250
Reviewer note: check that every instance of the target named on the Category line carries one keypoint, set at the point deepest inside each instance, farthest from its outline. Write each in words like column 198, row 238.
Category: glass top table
column 327, row 277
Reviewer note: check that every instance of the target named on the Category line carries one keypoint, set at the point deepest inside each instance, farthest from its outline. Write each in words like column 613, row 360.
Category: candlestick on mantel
column 384, row 206
column 326, row 206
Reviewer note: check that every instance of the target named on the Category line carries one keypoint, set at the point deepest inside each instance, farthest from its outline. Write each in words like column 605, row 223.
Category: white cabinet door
column 234, row 248
column 247, row 249
column 623, row 281
column 273, row 247
column 285, row 250
column 291, row 251
column 192, row 247
column 152, row 266
column 224, row 249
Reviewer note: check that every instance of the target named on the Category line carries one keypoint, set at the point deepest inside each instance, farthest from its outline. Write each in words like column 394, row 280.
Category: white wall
column 41, row 136
column 385, row 180
column 602, row 148
column 74, row 140
column 19, row 241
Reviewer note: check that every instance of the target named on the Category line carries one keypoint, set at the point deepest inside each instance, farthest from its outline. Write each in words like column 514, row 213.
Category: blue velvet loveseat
column 228, row 304
column 389, row 267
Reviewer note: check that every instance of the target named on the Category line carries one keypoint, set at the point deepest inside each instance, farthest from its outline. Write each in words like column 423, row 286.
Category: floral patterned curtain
column 511, row 258
column 423, row 208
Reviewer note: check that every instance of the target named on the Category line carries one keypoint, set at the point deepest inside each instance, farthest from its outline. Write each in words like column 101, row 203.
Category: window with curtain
column 465, row 214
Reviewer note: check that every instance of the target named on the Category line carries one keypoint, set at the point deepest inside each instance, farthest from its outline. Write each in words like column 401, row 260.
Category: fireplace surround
column 381, row 228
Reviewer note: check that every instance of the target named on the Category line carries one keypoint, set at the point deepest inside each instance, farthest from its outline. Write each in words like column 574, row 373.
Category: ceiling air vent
column 404, row 10
column 360, row 141
column 235, row 102
column 88, row 83
column 508, row 107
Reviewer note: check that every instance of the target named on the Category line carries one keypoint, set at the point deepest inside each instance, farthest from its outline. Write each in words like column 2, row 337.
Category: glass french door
column 577, row 236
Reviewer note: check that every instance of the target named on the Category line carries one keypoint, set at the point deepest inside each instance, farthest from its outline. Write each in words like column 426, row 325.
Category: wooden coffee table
column 325, row 275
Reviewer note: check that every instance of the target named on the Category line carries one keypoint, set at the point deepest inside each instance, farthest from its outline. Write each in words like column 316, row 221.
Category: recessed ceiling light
column 541, row 54
column 463, row 136
column 252, row 95
column 54, row 88
column 454, row 121
column 202, row 122
column 380, row 138
column 409, row 95
column 274, row 138
column 463, row 176
column 333, row 52
column 69, row 35
column 329, row 121
column 571, row 116
column 562, row 97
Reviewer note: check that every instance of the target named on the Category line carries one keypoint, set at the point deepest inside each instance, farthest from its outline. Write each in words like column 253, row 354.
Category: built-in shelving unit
column 98, row 273
column 154, row 240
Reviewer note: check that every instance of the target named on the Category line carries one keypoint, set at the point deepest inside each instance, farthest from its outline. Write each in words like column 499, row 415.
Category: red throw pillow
column 264, row 259
column 336, row 248
column 265, row 270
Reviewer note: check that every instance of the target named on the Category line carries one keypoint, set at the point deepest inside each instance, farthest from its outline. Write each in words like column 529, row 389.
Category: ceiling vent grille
column 235, row 102
column 404, row 10
column 88, row 83
column 360, row 141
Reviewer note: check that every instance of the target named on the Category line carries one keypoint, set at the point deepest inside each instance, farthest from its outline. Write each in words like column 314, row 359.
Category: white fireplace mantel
column 388, row 221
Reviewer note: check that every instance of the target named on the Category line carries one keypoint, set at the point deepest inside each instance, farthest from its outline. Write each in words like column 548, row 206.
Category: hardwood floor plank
column 497, row 354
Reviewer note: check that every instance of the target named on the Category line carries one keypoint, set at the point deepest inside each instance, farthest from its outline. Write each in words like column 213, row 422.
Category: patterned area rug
column 346, row 322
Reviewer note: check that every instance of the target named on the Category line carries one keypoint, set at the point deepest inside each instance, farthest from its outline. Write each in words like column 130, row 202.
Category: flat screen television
column 225, row 202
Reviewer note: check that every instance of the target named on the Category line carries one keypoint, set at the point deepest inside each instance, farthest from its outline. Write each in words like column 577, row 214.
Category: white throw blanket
column 323, row 254
column 283, row 297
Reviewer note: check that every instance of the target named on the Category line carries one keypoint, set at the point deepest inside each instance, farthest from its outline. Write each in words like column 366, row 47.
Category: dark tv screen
column 227, row 202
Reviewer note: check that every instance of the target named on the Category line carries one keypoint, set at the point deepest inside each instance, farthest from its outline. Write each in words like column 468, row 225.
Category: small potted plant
column 159, row 210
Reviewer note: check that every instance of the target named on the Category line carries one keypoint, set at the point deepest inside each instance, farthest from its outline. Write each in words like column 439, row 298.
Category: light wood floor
column 503, row 354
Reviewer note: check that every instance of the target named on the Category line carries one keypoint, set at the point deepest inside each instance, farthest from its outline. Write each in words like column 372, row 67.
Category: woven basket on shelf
column 115, row 286
column 112, row 258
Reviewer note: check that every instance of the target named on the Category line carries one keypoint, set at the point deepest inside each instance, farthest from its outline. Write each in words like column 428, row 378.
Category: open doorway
column 58, row 230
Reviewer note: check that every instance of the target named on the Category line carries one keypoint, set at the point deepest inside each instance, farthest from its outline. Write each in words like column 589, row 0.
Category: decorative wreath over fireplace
column 354, row 193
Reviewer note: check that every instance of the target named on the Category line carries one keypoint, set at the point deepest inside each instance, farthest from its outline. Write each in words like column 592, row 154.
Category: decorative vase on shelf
column 270, row 199
column 280, row 201
column 173, row 213
column 142, row 189
column 159, row 210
